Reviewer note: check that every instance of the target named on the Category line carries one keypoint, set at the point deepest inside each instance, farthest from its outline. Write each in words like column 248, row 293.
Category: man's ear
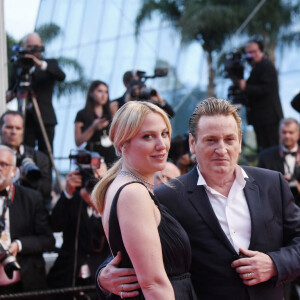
column 192, row 143
column 13, row 172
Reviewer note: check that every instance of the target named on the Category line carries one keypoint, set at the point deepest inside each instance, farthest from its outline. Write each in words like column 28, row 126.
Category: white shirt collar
column 240, row 176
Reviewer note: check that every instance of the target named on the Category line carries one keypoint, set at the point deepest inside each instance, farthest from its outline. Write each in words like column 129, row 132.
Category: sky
column 20, row 16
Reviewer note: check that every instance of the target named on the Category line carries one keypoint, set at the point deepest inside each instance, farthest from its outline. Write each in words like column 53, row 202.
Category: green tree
column 213, row 22
column 209, row 22
column 273, row 22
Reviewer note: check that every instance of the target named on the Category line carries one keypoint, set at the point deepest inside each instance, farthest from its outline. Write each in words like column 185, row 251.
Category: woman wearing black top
column 92, row 122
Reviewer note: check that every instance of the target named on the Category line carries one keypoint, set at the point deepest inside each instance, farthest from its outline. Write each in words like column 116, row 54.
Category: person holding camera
column 25, row 232
column 34, row 168
column 137, row 90
column 84, row 243
column 92, row 122
column 44, row 73
column 263, row 105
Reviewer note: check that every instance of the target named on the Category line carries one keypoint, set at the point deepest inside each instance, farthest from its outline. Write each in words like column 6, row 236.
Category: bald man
column 43, row 74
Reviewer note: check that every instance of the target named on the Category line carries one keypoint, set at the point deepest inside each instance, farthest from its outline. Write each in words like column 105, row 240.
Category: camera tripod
column 24, row 95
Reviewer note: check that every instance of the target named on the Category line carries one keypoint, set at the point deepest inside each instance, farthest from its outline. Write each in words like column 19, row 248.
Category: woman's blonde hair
column 125, row 125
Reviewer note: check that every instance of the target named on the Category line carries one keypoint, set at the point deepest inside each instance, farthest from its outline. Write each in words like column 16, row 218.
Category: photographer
column 263, row 105
column 44, row 73
column 92, row 122
column 37, row 171
column 84, row 243
column 25, row 232
column 136, row 89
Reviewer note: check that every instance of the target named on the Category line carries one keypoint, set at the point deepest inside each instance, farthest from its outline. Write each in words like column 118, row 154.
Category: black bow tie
column 291, row 153
column 3, row 193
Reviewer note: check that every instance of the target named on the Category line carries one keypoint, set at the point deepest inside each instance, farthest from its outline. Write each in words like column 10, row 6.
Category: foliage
column 213, row 22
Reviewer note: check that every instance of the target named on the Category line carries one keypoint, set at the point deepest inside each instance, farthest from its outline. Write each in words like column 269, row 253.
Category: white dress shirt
column 232, row 211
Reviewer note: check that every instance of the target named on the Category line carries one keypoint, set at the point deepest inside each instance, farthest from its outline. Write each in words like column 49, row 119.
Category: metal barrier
column 73, row 290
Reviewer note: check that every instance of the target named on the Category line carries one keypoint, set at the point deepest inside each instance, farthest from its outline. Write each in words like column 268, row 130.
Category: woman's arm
column 139, row 218
column 84, row 136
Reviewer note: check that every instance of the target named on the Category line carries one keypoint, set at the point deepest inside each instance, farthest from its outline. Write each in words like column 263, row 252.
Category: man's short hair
column 6, row 148
column 10, row 112
column 127, row 77
column 259, row 42
column 213, row 107
column 287, row 121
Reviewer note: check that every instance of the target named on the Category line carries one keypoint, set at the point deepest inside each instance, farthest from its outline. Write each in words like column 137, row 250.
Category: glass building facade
column 100, row 35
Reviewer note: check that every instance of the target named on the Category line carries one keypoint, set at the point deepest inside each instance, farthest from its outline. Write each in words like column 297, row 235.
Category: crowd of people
column 163, row 217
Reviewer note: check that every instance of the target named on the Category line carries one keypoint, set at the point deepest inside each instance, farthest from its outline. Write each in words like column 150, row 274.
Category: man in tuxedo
column 285, row 157
column 243, row 224
column 11, row 131
column 263, row 105
column 44, row 73
column 26, row 232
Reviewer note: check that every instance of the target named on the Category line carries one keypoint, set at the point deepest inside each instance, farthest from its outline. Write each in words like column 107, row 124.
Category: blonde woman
column 148, row 237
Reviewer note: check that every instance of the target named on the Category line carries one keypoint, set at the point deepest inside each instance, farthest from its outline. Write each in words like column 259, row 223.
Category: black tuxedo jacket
column 29, row 223
column 275, row 230
column 271, row 159
column 263, row 102
column 42, row 84
column 92, row 246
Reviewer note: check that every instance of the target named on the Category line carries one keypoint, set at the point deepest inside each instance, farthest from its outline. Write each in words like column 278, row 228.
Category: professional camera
column 138, row 89
column 8, row 261
column 24, row 64
column 31, row 170
column 234, row 69
column 86, row 163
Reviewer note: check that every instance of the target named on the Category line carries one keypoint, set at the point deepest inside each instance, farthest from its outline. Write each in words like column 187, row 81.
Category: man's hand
column 10, row 95
column 13, row 249
column 118, row 281
column 255, row 268
column 242, row 84
column 36, row 61
column 74, row 180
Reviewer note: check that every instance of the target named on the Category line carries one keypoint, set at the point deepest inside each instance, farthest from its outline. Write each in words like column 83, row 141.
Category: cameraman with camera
column 43, row 74
column 25, row 232
column 136, row 89
column 34, row 168
column 84, row 243
column 263, row 105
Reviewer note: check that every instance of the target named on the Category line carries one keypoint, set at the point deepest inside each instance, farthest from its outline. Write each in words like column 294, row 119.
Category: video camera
column 138, row 89
column 31, row 170
column 86, row 163
column 24, row 64
column 234, row 69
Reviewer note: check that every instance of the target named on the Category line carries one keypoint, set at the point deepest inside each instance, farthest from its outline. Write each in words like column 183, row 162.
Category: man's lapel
column 258, row 226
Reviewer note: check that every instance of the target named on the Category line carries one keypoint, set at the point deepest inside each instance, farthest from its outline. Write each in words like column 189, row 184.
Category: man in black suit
column 44, row 74
column 26, row 232
column 243, row 224
column 84, row 246
column 11, row 131
column 263, row 105
column 285, row 157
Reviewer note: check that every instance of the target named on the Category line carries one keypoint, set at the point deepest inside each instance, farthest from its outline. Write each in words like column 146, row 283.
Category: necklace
column 124, row 173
